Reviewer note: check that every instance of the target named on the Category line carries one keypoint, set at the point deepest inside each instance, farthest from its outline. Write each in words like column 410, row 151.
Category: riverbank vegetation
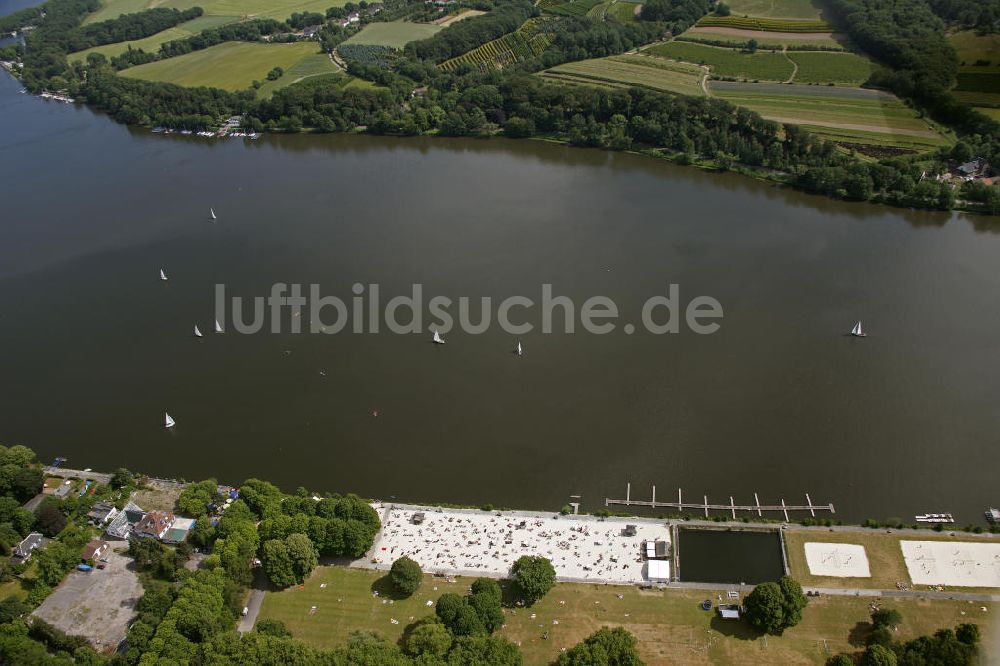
column 478, row 77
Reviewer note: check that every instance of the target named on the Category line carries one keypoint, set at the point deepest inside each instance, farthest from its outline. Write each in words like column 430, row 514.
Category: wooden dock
column 731, row 508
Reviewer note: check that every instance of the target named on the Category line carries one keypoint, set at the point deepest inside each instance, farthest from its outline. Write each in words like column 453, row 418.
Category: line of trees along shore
column 467, row 102
column 129, row 27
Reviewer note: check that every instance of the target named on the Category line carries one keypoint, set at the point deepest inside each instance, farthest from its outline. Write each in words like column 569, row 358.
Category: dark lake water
column 94, row 347
column 722, row 556
column 11, row 6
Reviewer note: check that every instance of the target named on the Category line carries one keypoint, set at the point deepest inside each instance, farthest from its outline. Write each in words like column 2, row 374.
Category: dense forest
column 466, row 35
column 128, row 27
column 983, row 15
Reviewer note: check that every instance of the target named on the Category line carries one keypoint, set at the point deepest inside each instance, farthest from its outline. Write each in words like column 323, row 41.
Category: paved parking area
column 98, row 605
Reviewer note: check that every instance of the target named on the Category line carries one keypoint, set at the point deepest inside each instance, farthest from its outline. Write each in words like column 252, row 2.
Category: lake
column 94, row 348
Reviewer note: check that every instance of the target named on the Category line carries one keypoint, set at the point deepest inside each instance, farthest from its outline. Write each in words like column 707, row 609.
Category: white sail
column 218, row 326
column 211, row 211
column 520, row 350
column 169, row 421
column 856, row 331
column 163, row 276
column 437, row 339
column 197, row 333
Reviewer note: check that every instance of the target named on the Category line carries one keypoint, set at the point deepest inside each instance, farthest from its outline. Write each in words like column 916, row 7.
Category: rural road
column 258, row 587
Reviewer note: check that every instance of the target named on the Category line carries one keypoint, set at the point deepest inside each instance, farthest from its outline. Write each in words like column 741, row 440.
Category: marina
column 705, row 506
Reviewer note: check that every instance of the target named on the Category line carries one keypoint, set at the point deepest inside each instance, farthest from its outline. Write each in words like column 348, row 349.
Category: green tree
column 277, row 563
column 605, row 647
column 967, row 633
column 303, row 555
column 793, row 600
column 50, row 519
column 533, row 577
column 765, row 608
column 271, row 627
column 840, row 660
column 886, row 617
column 484, row 650
column 878, row 655
column 406, row 575
column 121, row 478
column 196, row 497
column 429, row 638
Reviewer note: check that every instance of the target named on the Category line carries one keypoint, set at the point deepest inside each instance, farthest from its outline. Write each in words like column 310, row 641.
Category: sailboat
column 218, row 326
column 857, row 332
column 197, row 333
column 437, row 339
column 163, row 276
column 169, row 421
column 211, row 212
column 520, row 350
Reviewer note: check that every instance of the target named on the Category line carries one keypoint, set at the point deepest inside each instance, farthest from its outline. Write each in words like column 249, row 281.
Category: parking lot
column 98, row 604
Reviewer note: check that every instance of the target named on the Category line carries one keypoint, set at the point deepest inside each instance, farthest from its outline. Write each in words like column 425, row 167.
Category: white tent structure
column 658, row 571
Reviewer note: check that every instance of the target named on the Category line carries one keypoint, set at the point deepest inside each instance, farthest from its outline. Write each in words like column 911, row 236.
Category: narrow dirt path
column 795, row 65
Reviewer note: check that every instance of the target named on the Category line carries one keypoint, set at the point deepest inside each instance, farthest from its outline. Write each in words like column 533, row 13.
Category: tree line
column 129, row 27
column 466, row 35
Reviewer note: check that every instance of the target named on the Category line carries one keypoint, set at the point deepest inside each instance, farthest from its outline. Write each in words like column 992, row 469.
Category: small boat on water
column 935, row 518
column 857, row 332
column 211, row 212
column 197, row 333
column 163, row 276
column 520, row 350
column 437, row 339
column 169, row 422
column 218, row 326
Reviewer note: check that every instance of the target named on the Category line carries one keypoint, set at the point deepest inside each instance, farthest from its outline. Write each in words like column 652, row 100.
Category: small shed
column 418, row 518
column 94, row 550
column 629, row 531
column 729, row 611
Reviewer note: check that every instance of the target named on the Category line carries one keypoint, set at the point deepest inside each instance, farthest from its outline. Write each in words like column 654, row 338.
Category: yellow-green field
column 278, row 9
column 824, row 67
column 670, row 626
column 991, row 112
column 800, row 9
column 236, row 65
column 152, row 43
column 632, row 70
column 396, row 34
column 846, row 114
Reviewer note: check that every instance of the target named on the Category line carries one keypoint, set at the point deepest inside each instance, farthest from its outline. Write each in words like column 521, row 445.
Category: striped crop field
column 573, row 7
column 730, row 63
column 533, row 37
column 827, row 67
column 734, row 38
column 626, row 71
column 766, row 24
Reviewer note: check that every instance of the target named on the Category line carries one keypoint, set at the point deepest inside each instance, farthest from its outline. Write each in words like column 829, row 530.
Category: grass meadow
column 669, row 624
column 235, row 65
column 823, row 67
column 795, row 9
column 396, row 34
column 764, row 39
column 152, row 43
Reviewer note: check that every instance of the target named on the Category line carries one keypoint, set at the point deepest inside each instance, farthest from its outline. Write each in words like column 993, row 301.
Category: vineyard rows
column 767, row 24
column 528, row 41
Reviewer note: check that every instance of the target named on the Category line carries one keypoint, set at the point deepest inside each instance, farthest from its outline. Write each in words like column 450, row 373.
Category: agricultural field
column 573, row 7
column 396, row 34
column 278, row 9
column 529, row 40
column 760, row 66
column 235, row 65
column 971, row 48
column 850, row 115
column 738, row 38
column 789, row 9
column 632, row 70
column 669, row 625
column 152, row 43
column 822, row 67
column 766, row 24
column 624, row 11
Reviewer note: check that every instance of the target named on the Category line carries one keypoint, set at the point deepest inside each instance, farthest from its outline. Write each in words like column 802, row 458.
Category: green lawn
column 278, row 9
column 762, row 66
column 989, row 111
column 396, row 34
column 632, row 70
column 235, row 65
column 801, row 9
column 152, row 43
column 822, row 67
column 670, row 626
